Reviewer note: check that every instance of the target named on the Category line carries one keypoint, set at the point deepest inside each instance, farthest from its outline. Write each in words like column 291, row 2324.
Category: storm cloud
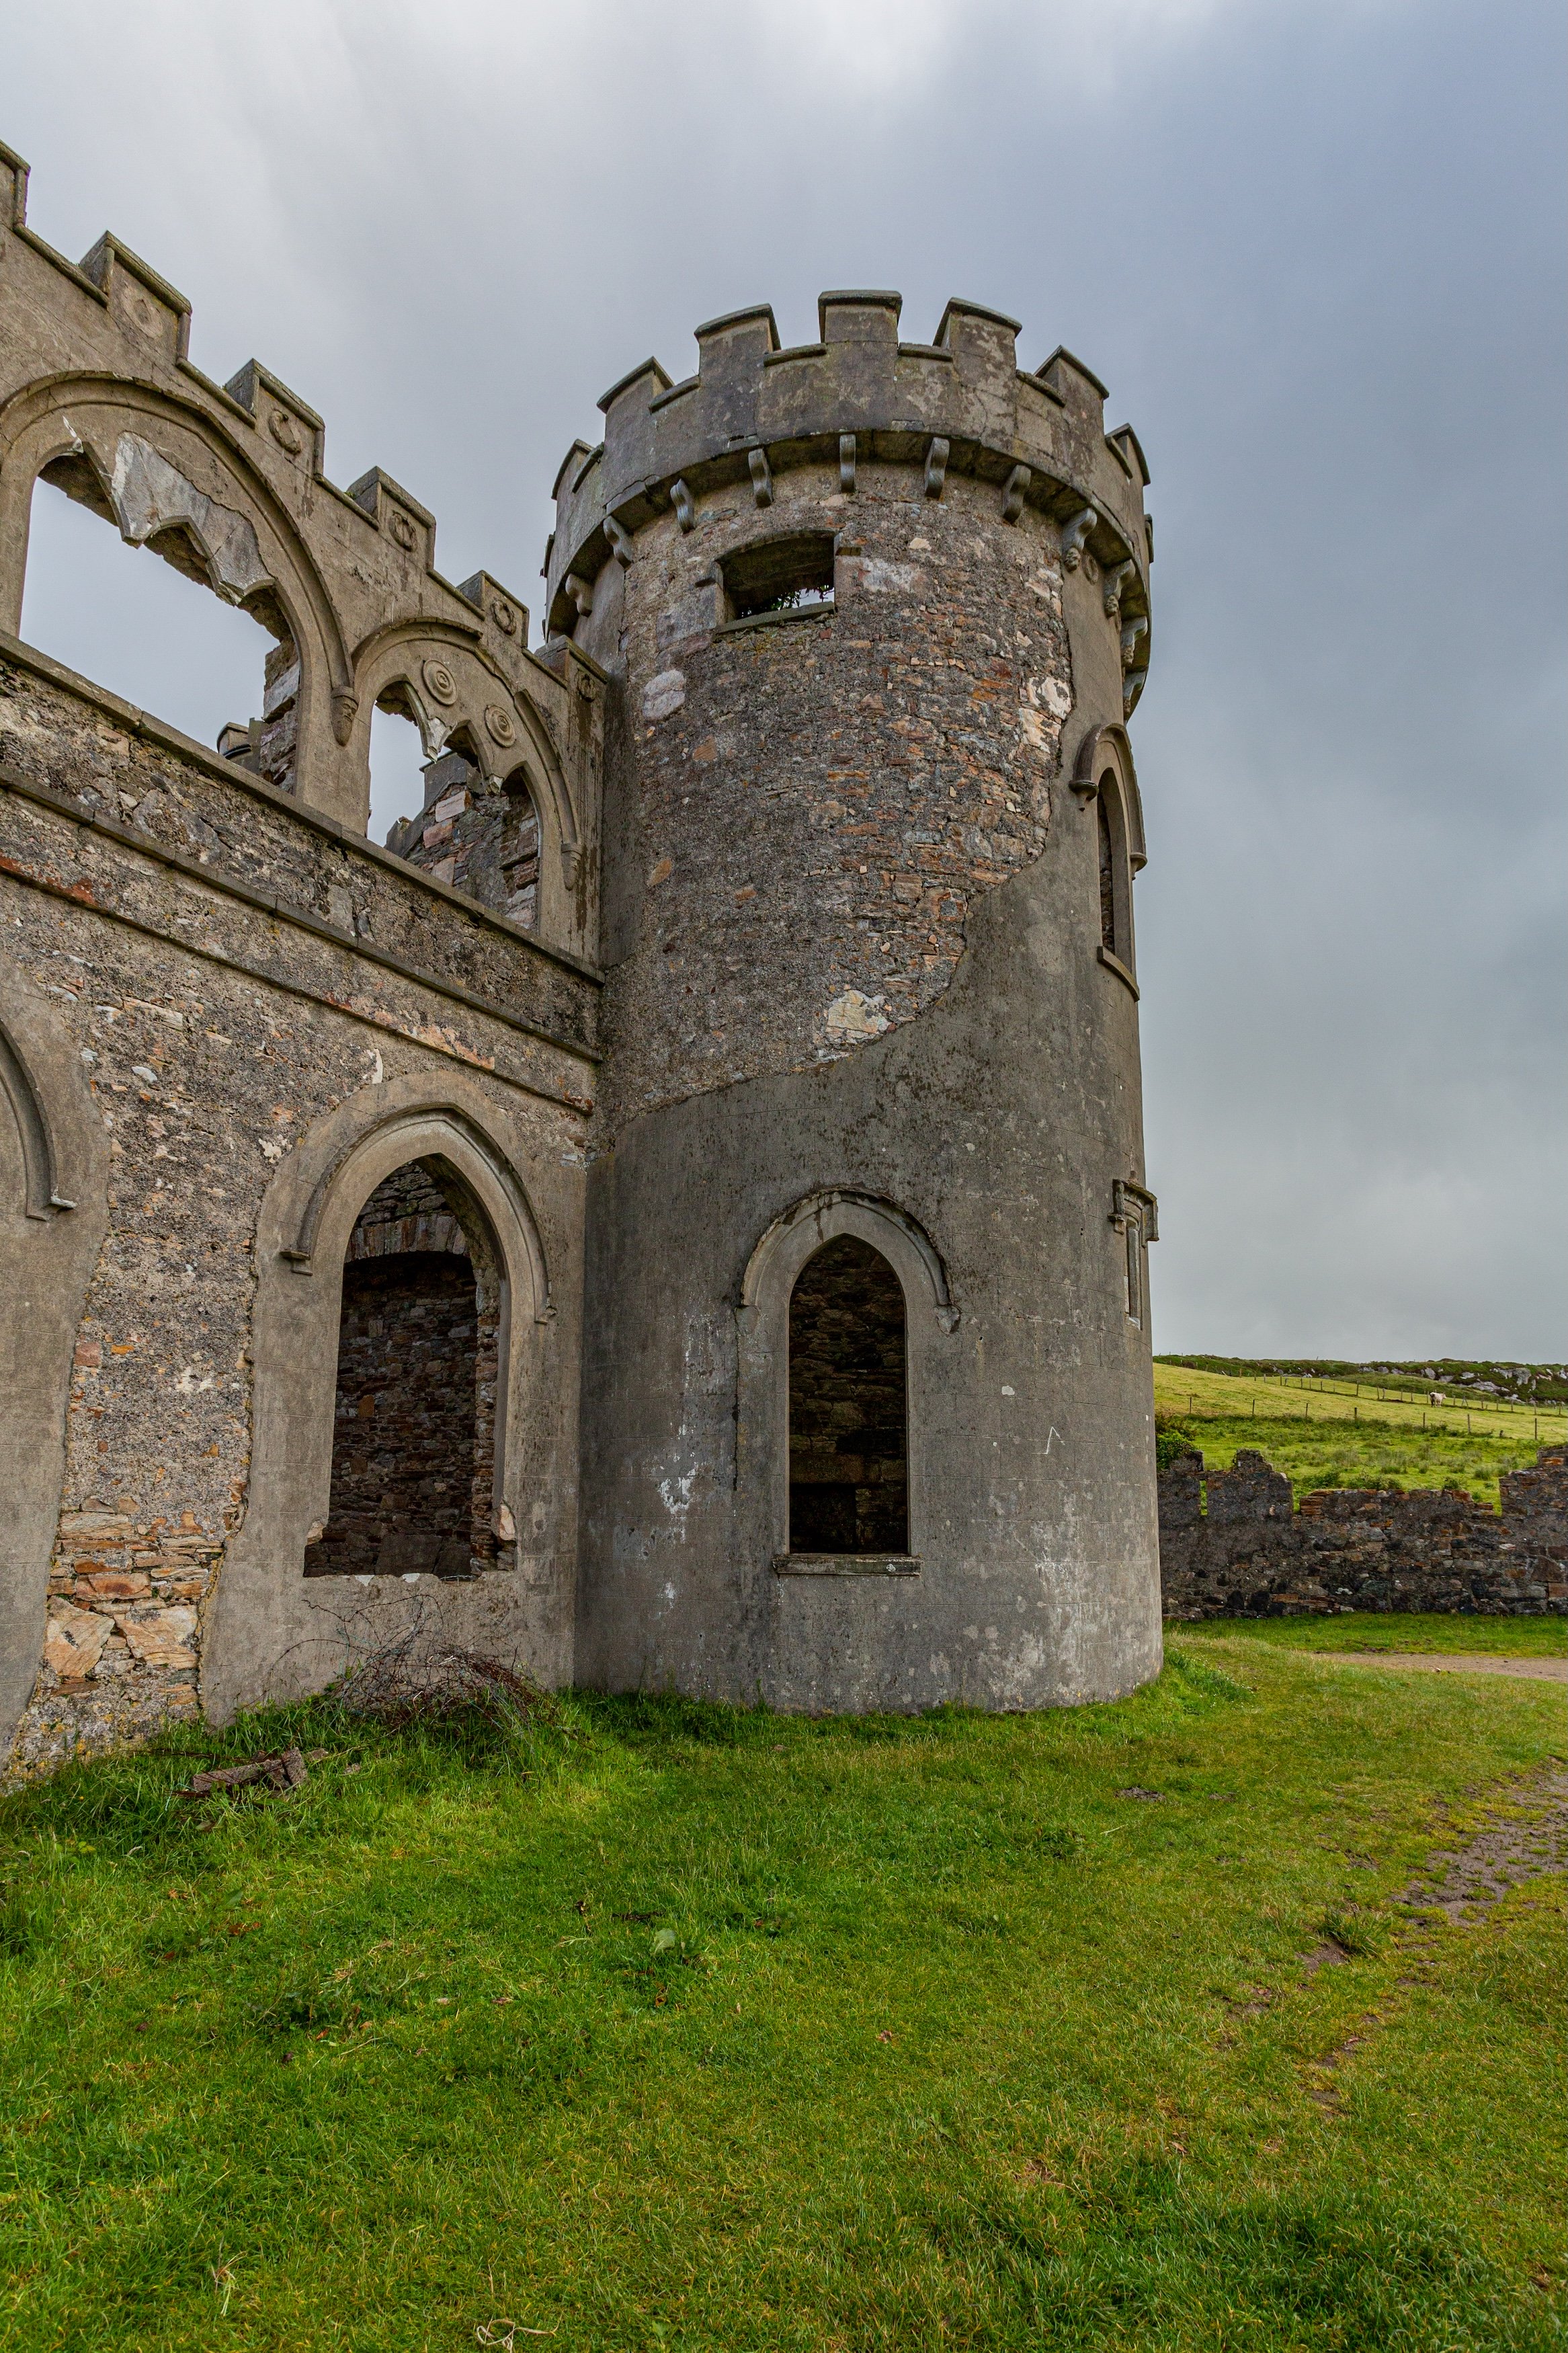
column 1316, row 251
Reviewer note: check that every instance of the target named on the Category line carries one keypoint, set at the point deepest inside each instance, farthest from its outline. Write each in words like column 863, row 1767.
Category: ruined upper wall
column 961, row 403
column 98, row 393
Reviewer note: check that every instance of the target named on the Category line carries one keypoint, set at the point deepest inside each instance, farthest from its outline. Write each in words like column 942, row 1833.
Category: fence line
column 1383, row 1421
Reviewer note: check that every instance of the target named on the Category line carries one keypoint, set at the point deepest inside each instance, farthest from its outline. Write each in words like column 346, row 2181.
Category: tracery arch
column 161, row 474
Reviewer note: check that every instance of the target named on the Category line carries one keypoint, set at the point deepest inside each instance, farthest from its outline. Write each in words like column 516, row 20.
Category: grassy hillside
column 660, row 2025
column 1333, row 1435
column 1470, row 1379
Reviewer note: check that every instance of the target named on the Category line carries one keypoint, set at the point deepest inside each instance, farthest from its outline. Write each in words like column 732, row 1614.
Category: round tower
column 867, row 1410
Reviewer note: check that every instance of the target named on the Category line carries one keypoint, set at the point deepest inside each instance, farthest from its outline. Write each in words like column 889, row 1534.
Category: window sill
column 824, row 612
column 845, row 1564
column 1115, row 964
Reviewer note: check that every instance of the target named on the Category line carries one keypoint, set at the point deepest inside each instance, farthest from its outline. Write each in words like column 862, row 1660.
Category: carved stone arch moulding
column 762, row 1316
column 821, row 1217
column 273, row 1632
column 1108, row 751
column 159, row 464
column 450, row 686
column 52, row 1223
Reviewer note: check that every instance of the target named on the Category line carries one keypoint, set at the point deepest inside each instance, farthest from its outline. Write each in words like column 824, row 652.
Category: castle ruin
column 674, row 1217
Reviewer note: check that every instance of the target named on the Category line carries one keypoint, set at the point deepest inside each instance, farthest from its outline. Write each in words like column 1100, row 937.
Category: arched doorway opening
column 848, row 1411
column 413, row 1435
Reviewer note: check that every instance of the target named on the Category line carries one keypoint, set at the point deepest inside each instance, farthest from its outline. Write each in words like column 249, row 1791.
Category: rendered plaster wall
column 852, row 933
column 211, row 1040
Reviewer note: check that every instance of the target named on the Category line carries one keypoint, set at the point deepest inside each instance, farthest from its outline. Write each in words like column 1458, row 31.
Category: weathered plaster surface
column 718, row 934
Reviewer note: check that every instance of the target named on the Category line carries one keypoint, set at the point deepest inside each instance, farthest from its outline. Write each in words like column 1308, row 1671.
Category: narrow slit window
column 1107, row 879
column 848, row 1418
column 1115, row 874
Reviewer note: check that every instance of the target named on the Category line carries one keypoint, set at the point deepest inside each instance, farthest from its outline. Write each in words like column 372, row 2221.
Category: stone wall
column 230, row 985
column 1250, row 1553
column 819, row 798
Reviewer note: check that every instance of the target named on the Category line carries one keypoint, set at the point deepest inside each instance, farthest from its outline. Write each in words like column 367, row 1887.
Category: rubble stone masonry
column 1251, row 1555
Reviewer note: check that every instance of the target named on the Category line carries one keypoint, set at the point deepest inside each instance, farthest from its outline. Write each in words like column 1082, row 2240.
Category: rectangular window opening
column 781, row 575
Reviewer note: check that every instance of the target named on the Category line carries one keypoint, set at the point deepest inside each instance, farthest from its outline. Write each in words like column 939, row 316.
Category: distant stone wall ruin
column 1252, row 1555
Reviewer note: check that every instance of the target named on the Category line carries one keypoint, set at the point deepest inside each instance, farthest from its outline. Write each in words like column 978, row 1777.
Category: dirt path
column 1506, row 1850
column 1453, row 1662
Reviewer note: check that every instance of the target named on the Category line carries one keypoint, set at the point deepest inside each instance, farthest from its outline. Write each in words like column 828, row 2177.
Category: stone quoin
column 674, row 1217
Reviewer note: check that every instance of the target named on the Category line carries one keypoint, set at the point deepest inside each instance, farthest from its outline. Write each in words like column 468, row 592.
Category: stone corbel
column 1013, row 492
column 621, row 544
column 1113, row 580
column 571, row 863
column 580, row 592
column 762, row 476
column 1131, row 688
column 1130, row 635
column 345, row 708
column 681, row 499
column 1074, row 534
column 936, row 467
column 846, row 463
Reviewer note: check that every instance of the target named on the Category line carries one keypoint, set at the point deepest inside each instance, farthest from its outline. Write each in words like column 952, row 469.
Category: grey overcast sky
column 1316, row 249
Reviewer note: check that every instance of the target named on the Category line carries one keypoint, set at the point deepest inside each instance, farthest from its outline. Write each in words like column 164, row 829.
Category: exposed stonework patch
column 480, row 836
column 821, row 796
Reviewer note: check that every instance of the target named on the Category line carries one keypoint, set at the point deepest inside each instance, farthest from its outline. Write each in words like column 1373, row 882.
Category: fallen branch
column 288, row 1771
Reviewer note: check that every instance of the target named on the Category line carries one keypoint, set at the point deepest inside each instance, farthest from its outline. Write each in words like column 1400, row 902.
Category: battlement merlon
column 96, row 377
column 895, row 398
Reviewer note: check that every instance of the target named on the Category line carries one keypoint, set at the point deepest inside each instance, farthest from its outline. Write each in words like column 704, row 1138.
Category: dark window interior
column 780, row 575
column 413, row 1435
column 848, row 1435
column 1106, row 876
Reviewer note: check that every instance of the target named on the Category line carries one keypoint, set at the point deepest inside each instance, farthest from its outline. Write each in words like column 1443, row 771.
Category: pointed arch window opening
column 413, row 1441
column 132, row 631
column 482, row 835
column 848, row 1405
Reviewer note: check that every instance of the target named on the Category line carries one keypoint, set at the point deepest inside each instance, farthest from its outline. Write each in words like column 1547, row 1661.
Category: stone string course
column 77, row 752
column 1250, row 1553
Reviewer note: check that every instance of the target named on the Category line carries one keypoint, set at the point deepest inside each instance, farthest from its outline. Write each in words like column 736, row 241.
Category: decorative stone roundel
column 504, row 616
column 286, row 432
column 442, row 685
column 501, row 724
column 401, row 528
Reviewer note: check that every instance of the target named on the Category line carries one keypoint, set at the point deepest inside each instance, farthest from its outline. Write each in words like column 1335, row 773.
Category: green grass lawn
column 675, row 2027
column 1367, row 1630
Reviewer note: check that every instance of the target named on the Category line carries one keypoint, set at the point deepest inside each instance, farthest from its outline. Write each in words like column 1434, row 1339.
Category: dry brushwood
column 403, row 1686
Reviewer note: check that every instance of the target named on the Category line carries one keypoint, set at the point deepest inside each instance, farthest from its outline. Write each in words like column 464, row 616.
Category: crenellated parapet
column 960, row 405
column 99, row 396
